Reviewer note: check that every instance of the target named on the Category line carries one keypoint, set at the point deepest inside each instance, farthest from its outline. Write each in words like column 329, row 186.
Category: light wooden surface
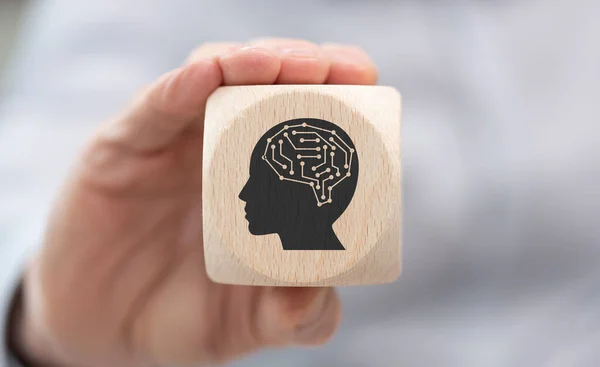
column 369, row 228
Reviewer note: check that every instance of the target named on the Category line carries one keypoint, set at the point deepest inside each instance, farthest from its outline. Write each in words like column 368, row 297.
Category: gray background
column 500, row 154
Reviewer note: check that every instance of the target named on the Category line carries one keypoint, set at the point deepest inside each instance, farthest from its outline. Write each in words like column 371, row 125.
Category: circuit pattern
column 312, row 156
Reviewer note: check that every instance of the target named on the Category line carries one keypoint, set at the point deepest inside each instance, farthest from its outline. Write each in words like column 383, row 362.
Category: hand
column 120, row 280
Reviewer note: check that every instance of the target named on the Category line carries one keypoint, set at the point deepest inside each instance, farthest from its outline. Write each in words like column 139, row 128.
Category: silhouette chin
column 254, row 232
column 257, row 231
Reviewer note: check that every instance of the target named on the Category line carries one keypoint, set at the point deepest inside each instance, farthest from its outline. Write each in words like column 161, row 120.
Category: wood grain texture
column 369, row 228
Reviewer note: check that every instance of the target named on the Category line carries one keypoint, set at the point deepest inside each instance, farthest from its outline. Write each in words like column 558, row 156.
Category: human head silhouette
column 303, row 174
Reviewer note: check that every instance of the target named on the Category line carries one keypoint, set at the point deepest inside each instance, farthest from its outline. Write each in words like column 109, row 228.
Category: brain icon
column 310, row 155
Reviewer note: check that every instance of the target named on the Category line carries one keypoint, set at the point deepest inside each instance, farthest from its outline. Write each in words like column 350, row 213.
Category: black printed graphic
column 303, row 174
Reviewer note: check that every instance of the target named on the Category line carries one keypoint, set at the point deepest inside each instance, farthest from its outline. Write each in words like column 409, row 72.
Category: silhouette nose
column 242, row 194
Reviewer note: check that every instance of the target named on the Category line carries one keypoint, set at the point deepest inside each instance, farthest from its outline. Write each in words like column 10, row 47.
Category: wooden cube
column 302, row 185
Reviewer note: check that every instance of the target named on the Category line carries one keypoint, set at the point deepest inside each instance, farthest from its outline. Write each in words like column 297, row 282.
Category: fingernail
column 299, row 52
column 348, row 54
column 249, row 49
column 235, row 51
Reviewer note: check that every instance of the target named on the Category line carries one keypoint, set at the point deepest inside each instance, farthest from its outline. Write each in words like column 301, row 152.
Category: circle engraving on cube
column 303, row 174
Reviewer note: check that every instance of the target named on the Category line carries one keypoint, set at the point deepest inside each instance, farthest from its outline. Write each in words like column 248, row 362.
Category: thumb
column 304, row 316
column 167, row 107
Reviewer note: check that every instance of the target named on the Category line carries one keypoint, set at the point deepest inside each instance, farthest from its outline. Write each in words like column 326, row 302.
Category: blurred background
column 10, row 16
column 501, row 156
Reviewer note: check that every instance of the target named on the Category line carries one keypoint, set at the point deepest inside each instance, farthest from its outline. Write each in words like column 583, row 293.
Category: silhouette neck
column 315, row 239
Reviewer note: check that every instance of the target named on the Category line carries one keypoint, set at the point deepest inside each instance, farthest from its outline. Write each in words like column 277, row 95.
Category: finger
column 212, row 51
column 167, row 107
column 321, row 323
column 297, row 315
column 302, row 62
column 349, row 65
column 250, row 65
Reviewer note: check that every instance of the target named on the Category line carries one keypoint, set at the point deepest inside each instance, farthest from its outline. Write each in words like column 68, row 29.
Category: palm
column 124, row 254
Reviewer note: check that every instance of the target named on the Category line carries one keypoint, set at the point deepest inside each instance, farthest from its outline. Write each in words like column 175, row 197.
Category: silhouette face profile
column 303, row 174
